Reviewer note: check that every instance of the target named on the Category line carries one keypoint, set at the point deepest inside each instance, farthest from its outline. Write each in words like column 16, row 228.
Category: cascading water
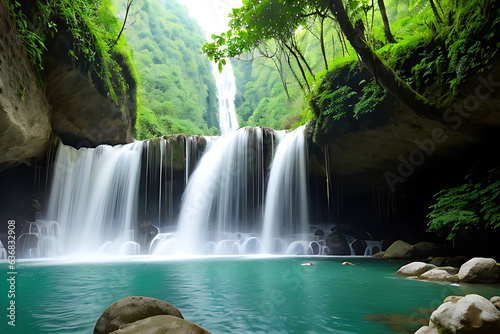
column 231, row 201
column 287, row 209
column 224, row 197
column 93, row 197
column 227, row 90
column 223, row 210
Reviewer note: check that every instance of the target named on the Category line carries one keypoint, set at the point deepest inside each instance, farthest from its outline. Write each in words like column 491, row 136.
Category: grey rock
column 161, row 324
column 131, row 309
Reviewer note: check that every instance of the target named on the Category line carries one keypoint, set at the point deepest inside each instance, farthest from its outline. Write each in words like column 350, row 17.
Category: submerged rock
column 131, row 309
column 479, row 270
column 161, row 324
column 400, row 323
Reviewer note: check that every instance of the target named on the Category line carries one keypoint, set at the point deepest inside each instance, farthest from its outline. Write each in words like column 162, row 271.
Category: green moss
column 435, row 58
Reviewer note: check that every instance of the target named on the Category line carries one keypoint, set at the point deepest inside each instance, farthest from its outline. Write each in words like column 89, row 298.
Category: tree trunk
column 322, row 41
column 279, row 66
column 293, row 72
column 387, row 27
column 300, row 66
column 294, row 45
column 129, row 3
column 333, row 46
column 436, row 13
column 384, row 75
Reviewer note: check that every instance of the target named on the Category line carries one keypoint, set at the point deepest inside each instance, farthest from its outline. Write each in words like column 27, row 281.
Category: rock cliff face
column 388, row 152
column 74, row 105
column 83, row 114
column 384, row 169
column 24, row 111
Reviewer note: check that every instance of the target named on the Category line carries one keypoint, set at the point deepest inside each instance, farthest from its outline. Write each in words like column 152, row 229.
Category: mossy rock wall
column 24, row 111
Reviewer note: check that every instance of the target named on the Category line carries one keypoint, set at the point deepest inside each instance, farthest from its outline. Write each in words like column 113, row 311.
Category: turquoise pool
column 229, row 294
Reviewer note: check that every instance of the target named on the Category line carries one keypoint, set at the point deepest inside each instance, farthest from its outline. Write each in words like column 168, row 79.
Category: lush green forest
column 177, row 88
column 302, row 61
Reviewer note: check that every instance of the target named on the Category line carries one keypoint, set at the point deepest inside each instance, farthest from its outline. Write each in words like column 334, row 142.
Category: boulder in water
column 415, row 269
column 479, row 270
column 400, row 250
column 147, row 232
column 131, row 309
column 470, row 314
column 337, row 244
column 440, row 274
column 161, row 324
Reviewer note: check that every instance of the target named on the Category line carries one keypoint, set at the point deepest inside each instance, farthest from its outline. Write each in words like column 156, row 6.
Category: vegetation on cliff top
column 93, row 29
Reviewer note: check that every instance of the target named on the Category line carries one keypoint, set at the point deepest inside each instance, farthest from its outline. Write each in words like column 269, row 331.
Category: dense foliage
column 93, row 28
column 178, row 91
column 438, row 45
column 473, row 205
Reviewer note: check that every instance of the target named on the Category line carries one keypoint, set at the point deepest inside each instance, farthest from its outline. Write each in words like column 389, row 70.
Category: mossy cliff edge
column 453, row 62
column 63, row 72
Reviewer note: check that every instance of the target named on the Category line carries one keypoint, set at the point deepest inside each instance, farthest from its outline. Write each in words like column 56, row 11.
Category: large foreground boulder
column 131, row 309
column 470, row 314
column 161, row 324
column 479, row 270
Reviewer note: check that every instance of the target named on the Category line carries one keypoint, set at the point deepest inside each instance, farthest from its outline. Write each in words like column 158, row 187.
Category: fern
column 471, row 205
column 335, row 101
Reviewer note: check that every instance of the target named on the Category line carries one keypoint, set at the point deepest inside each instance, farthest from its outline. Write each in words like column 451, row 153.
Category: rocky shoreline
column 457, row 314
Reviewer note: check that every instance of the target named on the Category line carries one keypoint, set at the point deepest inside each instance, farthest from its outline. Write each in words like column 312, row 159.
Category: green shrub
column 473, row 205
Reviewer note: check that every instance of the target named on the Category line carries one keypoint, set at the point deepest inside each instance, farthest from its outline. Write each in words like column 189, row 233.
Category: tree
column 385, row 76
column 260, row 20
column 129, row 3
column 387, row 27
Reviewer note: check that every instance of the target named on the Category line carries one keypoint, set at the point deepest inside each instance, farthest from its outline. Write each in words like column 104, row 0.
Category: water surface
column 228, row 294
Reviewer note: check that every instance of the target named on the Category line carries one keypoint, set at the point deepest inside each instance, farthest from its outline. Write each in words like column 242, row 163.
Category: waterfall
column 93, row 196
column 286, row 209
column 223, row 199
column 227, row 91
column 242, row 193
